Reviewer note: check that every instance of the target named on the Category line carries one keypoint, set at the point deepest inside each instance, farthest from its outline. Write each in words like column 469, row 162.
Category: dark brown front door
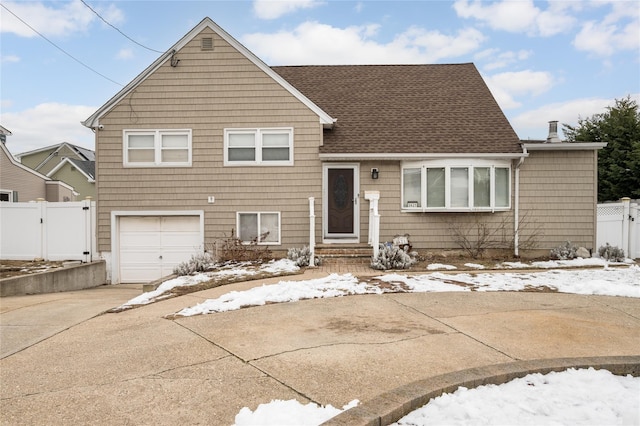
column 340, row 201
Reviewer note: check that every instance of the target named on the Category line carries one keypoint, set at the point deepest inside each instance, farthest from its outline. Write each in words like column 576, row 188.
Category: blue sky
column 556, row 60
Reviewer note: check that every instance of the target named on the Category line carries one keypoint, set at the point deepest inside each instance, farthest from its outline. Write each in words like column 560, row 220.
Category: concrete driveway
column 62, row 363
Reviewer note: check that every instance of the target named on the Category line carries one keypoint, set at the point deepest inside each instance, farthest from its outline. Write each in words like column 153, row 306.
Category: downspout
column 516, row 219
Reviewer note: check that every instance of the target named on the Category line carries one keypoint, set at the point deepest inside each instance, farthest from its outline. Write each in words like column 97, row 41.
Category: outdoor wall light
column 374, row 173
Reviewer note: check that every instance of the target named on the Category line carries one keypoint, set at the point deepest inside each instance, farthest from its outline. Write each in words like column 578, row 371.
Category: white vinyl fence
column 49, row 231
column 618, row 225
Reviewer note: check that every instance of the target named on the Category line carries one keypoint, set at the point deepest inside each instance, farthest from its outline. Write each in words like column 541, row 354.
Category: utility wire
column 59, row 48
column 109, row 24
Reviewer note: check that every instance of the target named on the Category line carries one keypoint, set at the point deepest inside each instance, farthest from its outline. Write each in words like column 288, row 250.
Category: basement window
column 258, row 227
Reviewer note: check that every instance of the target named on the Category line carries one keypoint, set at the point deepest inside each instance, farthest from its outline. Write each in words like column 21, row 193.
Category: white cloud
column 70, row 18
column 496, row 59
column 48, row 124
column 273, row 9
column 532, row 124
column 616, row 31
column 506, row 86
column 315, row 43
column 125, row 54
column 11, row 58
column 517, row 16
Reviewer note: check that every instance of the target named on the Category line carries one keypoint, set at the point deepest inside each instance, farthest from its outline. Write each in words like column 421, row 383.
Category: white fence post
column 312, row 232
column 625, row 225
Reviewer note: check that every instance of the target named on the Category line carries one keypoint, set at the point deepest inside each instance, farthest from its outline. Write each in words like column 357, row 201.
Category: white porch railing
column 374, row 221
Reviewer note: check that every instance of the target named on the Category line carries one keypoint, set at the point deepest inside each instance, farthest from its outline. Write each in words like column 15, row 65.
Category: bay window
column 478, row 185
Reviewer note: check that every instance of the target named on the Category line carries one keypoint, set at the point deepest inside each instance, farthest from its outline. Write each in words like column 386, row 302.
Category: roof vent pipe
column 553, row 132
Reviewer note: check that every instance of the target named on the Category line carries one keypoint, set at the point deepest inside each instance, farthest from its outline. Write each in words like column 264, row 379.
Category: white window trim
column 470, row 164
column 259, row 213
column 9, row 192
column 258, row 132
column 157, row 133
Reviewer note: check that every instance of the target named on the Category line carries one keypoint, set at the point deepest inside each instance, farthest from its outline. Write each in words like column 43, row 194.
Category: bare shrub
column 476, row 237
column 231, row 248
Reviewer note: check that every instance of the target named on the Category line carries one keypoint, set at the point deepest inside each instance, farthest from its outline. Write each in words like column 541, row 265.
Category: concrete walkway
column 62, row 364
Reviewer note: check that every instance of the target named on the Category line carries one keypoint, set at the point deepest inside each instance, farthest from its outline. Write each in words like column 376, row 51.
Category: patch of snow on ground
column 474, row 265
column 436, row 266
column 274, row 267
column 282, row 413
column 333, row 285
column 571, row 397
column 165, row 287
column 621, row 281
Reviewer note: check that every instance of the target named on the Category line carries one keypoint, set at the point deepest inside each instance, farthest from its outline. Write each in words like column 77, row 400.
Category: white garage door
column 151, row 246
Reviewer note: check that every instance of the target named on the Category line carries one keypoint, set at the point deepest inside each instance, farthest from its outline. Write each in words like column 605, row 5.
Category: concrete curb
column 391, row 406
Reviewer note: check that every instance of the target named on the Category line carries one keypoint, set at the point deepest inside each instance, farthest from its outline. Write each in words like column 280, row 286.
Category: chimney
column 553, row 133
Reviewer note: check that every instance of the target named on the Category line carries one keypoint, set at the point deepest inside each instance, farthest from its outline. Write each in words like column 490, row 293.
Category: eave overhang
column 564, row 146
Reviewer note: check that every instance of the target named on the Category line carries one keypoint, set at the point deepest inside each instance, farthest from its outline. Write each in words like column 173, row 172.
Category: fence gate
column 618, row 225
column 50, row 231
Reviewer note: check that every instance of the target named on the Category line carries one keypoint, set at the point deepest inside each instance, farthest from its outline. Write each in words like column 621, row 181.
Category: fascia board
column 71, row 163
column 564, row 146
column 418, row 156
column 93, row 120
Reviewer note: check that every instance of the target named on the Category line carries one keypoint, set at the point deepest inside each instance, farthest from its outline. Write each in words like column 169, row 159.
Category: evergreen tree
column 619, row 161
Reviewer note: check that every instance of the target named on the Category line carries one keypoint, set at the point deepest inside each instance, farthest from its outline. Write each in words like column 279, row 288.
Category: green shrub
column 611, row 253
column 564, row 251
column 393, row 257
column 302, row 257
column 200, row 262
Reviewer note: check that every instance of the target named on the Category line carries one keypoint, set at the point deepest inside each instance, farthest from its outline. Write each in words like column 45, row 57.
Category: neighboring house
column 65, row 162
column 19, row 183
column 209, row 139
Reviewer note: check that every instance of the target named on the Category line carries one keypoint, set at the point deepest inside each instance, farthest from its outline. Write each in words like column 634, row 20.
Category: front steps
column 342, row 255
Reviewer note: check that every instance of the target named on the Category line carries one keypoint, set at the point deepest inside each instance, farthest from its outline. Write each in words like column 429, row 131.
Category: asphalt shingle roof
column 405, row 109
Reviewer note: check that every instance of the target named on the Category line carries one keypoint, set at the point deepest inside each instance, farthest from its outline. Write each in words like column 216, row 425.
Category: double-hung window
column 157, row 148
column 259, row 227
column 264, row 146
column 471, row 185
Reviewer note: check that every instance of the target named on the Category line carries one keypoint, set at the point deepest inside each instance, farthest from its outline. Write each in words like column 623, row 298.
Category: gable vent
column 206, row 43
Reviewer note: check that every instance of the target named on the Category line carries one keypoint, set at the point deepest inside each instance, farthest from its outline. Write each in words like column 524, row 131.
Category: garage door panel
column 139, row 224
column 179, row 223
column 140, row 240
column 151, row 247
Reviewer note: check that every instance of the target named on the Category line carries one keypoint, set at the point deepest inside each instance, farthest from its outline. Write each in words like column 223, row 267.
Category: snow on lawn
column 620, row 281
column 237, row 270
column 571, row 397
